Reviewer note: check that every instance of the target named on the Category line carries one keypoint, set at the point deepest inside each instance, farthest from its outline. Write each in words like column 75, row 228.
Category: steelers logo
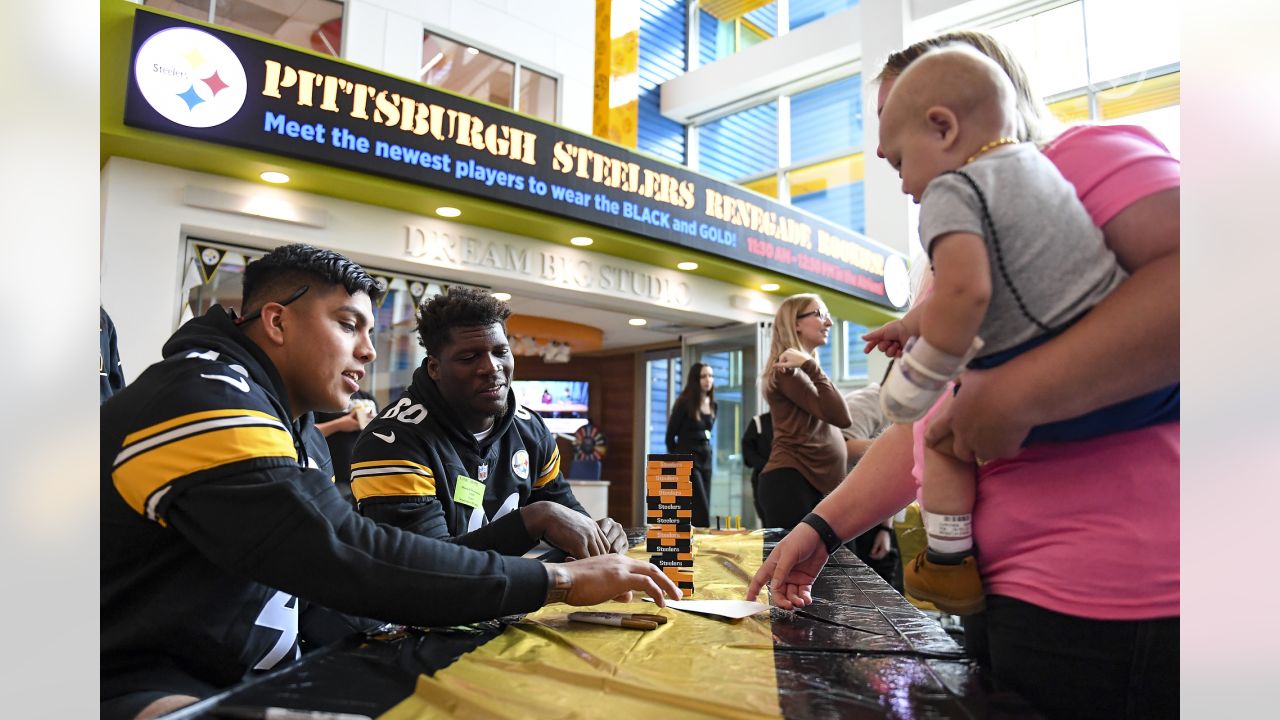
column 520, row 464
column 190, row 77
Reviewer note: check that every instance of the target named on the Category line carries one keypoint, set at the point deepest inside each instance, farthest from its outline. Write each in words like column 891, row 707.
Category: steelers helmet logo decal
column 190, row 77
column 520, row 464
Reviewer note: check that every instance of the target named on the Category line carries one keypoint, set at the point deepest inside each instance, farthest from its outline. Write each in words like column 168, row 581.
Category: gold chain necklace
column 991, row 146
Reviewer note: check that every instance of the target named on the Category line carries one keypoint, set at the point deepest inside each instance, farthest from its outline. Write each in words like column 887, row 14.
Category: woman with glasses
column 808, row 455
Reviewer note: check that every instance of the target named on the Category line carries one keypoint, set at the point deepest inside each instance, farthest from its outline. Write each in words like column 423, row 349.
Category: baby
column 1016, row 259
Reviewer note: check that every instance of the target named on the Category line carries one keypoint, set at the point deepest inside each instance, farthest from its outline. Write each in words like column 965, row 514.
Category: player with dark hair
column 218, row 528
column 457, row 457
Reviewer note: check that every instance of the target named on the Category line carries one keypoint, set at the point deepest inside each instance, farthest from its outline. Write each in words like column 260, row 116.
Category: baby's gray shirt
column 1053, row 252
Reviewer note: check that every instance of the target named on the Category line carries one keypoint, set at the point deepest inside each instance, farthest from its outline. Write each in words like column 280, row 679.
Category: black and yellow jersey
column 407, row 465
column 220, row 520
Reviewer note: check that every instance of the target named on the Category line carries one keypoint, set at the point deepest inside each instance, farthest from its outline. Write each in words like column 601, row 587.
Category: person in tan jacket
column 807, row 460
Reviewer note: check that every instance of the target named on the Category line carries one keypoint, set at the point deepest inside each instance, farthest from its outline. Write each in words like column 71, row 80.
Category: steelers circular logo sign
column 209, row 256
column 520, row 464
column 897, row 281
column 190, row 77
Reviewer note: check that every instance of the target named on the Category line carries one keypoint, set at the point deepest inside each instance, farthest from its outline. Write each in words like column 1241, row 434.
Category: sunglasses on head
column 258, row 313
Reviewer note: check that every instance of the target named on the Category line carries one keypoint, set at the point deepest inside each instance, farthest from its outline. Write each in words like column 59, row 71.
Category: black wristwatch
column 825, row 533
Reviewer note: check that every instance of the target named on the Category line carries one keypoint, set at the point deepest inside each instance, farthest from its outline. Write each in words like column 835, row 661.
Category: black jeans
column 1074, row 667
column 786, row 497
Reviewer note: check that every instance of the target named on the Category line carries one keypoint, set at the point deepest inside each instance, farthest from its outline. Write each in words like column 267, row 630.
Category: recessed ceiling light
column 770, row 287
column 502, row 296
column 448, row 211
column 581, row 241
column 637, row 322
column 687, row 265
column 472, row 51
column 272, row 176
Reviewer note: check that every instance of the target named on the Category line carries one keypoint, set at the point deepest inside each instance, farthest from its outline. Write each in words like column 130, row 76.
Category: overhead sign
column 212, row 85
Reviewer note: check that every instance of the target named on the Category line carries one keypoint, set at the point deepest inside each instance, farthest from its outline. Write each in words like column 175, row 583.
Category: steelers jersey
column 416, row 467
column 220, row 522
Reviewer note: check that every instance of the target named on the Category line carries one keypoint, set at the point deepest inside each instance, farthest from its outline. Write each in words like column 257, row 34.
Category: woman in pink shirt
column 1079, row 541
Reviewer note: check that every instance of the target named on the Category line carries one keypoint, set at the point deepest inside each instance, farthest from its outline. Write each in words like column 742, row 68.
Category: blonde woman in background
column 807, row 459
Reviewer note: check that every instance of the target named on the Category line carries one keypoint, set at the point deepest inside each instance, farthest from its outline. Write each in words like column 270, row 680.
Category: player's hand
column 791, row 569
column 571, row 531
column 615, row 535
column 790, row 358
column 888, row 339
column 983, row 422
column 615, row 577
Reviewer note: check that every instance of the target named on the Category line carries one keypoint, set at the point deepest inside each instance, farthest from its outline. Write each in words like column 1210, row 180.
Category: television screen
column 561, row 403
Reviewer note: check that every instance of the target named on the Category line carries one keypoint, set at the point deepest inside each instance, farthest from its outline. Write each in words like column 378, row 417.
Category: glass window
column 803, row 12
column 832, row 190
column 1051, row 48
column 312, row 24
column 537, row 94
column 855, row 360
column 1129, row 36
column 1133, row 58
column 662, row 372
column 466, row 70
column 213, row 275
column 726, row 27
column 740, row 145
column 827, row 119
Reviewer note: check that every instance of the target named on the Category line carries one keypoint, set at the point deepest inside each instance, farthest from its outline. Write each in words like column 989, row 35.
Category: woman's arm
column 1125, row 347
column 878, row 487
column 816, row 395
column 674, row 424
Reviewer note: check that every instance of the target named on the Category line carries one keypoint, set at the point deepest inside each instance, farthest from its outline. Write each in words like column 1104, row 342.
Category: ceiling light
column 637, row 322
column 272, row 176
column 770, row 287
column 502, row 296
column 581, row 241
column 472, row 51
column 687, row 265
column 448, row 211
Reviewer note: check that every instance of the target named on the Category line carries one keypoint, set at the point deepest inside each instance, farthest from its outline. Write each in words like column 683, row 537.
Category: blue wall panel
column 740, row 145
column 826, row 119
column 843, row 205
column 662, row 57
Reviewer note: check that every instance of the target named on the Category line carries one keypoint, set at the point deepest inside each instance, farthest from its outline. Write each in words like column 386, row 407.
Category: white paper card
column 732, row 609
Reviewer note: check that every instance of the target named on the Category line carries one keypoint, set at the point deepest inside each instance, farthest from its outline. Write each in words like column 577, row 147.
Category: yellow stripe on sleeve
column 141, row 476
column 390, row 464
column 392, row 485
column 550, row 470
column 191, row 418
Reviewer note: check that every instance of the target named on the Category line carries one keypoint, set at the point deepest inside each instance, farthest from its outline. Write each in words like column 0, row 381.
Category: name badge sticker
column 468, row 492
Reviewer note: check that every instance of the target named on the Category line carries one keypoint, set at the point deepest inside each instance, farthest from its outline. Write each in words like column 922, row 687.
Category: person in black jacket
column 110, row 372
column 756, row 442
column 220, row 522
column 456, row 453
column 689, row 432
